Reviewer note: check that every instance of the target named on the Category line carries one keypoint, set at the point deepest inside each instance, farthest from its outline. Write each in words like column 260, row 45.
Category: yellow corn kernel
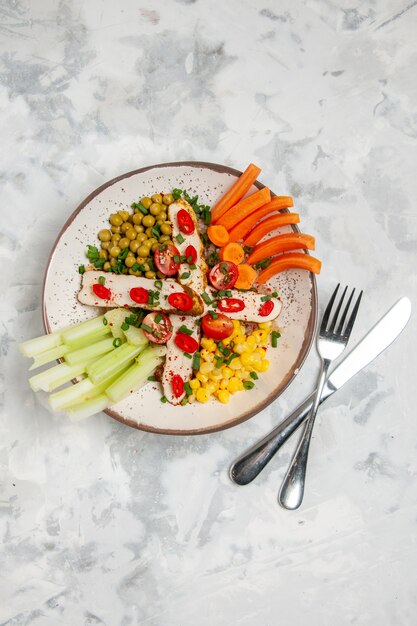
column 223, row 383
column 251, row 342
column 223, row 396
column 206, row 367
column 264, row 366
column 202, row 395
column 208, row 344
column 216, row 374
column 265, row 325
column 240, row 347
column 211, row 387
column 236, row 324
column 194, row 383
column 234, row 384
column 203, row 378
column 241, row 386
column 239, row 374
column 245, row 374
column 236, row 364
column 239, row 338
column 206, row 355
column 227, row 372
column 191, row 398
column 246, row 359
column 260, row 352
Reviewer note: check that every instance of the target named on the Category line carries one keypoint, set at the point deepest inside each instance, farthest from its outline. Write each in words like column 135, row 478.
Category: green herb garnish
column 158, row 318
column 254, row 375
column 248, row 384
column 185, row 275
column 158, row 284
column 117, row 342
column 177, row 193
column 81, row 269
column 188, row 355
column 196, row 361
column 163, row 399
column 188, row 389
column 180, row 238
column 147, row 328
column 101, row 280
column 265, row 298
column 185, row 330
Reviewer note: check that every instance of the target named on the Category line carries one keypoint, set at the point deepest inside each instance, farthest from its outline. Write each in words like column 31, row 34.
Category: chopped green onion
column 184, row 329
column 224, row 268
column 196, row 361
column 124, row 326
column 117, row 342
column 123, row 254
column 185, row 275
column 274, row 294
column 213, row 315
column 163, row 399
column 219, row 361
column 193, row 266
column 224, row 350
column 232, row 344
column 147, row 328
column 254, row 375
column 182, row 258
column 231, row 357
column 248, row 384
column 105, row 322
column 177, row 258
column 263, row 264
column 101, row 280
column 81, row 269
column 136, row 267
column 206, row 298
column 142, row 208
column 158, row 284
column 152, row 378
column 180, row 238
column 188, row 389
column 189, row 259
column 206, row 215
column 184, row 401
column 158, row 318
column 265, row 298
column 188, row 355
column 274, row 338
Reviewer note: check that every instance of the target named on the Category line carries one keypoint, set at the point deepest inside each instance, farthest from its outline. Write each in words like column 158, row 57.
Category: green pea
column 146, row 266
column 124, row 215
column 134, row 245
column 155, row 208
column 106, row 245
column 163, row 215
column 115, row 251
column 148, row 232
column 103, row 254
column 155, row 246
column 113, row 262
column 124, row 243
column 166, row 229
column 106, row 266
column 157, row 198
column 115, row 238
column 132, row 273
column 148, row 221
column 125, row 226
column 143, row 251
column 104, row 234
column 131, row 234
column 129, row 261
column 115, row 229
column 146, row 202
column 140, row 238
column 139, row 228
column 150, row 274
column 163, row 238
column 137, row 218
column 168, row 198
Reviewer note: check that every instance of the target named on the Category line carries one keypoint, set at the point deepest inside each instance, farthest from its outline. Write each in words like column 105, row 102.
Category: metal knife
column 252, row 462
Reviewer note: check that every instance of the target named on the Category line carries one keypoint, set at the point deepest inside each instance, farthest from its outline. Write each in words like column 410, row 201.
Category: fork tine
column 352, row 318
column 336, row 314
column 328, row 310
column 345, row 312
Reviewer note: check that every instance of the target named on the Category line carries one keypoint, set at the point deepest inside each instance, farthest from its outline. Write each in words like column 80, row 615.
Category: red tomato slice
column 191, row 253
column 164, row 259
column 101, row 291
column 140, row 295
column 266, row 308
column 185, row 342
column 223, row 275
column 230, row 305
column 177, row 385
column 217, row 328
column 185, row 222
column 180, row 300
column 159, row 331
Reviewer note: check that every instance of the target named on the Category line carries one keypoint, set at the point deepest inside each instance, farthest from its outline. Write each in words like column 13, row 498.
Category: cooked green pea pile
column 127, row 246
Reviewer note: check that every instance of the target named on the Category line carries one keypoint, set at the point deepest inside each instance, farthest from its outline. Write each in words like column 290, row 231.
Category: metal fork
column 331, row 341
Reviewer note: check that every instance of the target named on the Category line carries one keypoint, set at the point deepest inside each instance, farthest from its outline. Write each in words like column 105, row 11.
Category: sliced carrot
column 244, row 208
column 218, row 235
column 268, row 225
column 232, row 252
column 241, row 229
column 297, row 260
column 278, row 244
column 236, row 192
column 247, row 276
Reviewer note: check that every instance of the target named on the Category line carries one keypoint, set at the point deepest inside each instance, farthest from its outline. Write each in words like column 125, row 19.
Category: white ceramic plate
column 297, row 290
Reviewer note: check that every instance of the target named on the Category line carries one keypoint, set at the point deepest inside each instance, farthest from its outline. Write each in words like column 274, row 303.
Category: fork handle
column 292, row 489
column 251, row 463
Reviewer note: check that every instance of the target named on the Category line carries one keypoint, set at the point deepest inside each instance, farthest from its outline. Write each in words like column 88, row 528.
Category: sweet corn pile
column 230, row 365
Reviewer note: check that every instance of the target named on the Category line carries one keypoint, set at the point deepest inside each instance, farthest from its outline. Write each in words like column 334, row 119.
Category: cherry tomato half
column 266, row 308
column 185, row 222
column 185, row 342
column 223, row 275
column 101, row 291
column 177, row 385
column 140, row 295
column 164, row 259
column 191, row 253
column 217, row 328
column 159, row 325
column 180, row 300
column 230, row 305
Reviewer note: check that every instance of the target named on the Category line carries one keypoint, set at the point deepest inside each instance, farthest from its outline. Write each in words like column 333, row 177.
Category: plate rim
column 310, row 328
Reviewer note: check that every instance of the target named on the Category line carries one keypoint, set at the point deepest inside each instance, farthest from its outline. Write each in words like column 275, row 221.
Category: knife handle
column 252, row 462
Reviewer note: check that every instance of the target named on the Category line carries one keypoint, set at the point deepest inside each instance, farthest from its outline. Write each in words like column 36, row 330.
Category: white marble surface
column 102, row 524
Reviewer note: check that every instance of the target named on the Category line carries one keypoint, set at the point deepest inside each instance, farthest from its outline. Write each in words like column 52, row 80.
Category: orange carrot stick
column 236, row 192
column 268, row 225
column 232, row 252
column 297, row 260
column 241, row 230
column 278, row 244
column 246, row 278
column 218, row 235
column 244, row 208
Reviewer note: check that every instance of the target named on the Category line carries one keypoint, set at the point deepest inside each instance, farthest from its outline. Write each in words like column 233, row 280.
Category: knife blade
column 385, row 331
